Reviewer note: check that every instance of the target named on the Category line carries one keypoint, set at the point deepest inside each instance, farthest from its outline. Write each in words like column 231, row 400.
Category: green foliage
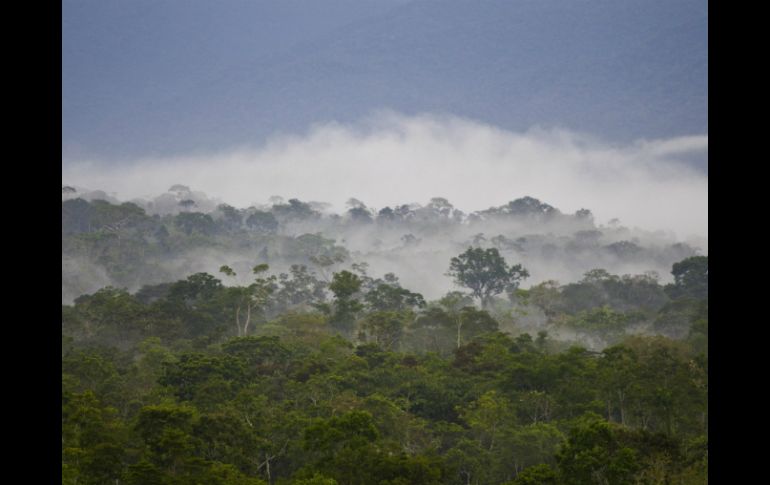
column 603, row 320
column 489, row 417
column 330, row 435
column 385, row 297
column 485, row 273
column 316, row 479
column 600, row 288
column 300, row 289
column 203, row 377
column 195, row 223
column 595, row 454
column 224, row 269
column 541, row 474
column 378, row 386
column 345, row 285
column 262, row 222
column 691, row 278
column 295, row 210
column 677, row 317
column 93, row 440
column 261, row 355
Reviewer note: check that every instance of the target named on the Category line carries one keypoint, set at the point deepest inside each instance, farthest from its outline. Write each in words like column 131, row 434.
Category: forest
column 284, row 344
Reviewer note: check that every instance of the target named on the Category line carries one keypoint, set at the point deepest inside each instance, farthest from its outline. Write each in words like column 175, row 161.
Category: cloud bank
column 393, row 159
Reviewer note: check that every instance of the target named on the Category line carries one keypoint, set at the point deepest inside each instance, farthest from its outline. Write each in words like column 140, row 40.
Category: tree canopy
column 485, row 273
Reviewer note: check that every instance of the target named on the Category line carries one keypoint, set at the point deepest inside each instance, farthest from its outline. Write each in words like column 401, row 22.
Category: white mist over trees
column 392, row 159
column 131, row 244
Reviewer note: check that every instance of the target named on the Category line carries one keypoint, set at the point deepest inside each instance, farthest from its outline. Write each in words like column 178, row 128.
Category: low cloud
column 392, row 159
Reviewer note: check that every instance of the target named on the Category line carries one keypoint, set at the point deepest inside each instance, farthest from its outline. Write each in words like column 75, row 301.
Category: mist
column 389, row 158
column 452, row 181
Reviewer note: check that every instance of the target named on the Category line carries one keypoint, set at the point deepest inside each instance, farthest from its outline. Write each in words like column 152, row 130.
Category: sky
column 580, row 103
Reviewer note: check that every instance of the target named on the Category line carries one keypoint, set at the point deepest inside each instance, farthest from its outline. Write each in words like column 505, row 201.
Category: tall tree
column 345, row 285
column 485, row 273
column 691, row 278
column 246, row 301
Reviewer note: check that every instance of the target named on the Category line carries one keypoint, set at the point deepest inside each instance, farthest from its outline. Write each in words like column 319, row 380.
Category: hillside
column 337, row 372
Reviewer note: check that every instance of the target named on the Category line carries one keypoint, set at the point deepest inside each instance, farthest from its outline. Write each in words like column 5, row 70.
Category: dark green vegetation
column 204, row 344
column 292, row 380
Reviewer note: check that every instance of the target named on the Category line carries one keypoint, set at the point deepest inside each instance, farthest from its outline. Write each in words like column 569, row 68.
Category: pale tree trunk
column 268, row 459
column 467, row 477
column 248, row 319
column 459, row 328
column 266, row 464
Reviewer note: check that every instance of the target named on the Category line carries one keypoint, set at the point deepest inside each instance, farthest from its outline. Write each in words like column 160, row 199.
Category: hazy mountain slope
column 620, row 70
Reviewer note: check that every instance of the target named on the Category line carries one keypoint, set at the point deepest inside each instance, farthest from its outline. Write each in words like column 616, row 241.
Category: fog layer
column 391, row 159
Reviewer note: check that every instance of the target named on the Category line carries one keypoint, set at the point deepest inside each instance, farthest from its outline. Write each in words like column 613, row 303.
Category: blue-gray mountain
column 159, row 78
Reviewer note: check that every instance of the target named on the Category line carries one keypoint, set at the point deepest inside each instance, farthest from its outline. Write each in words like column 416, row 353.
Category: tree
column 92, row 440
column 389, row 297
column 385, row 214
column 386, row 328
column 262, row 355
column 584, row 215
column 434, row 330
column 195, row 289
column 471, row 323
column 469, row 462
column 76, row 216
column 489, row 417
column 316, row 479
column 691, row 278
column 485, row 273
column 546, row 296
column 603, row 322
column 541, row 474
column 440, row 206
column 250, row 299
column 598, row 452
column 190, row 222
column 525, row 207
column 230, row 217
column 227, row 270
column 358, row 211
column 187, row 204
column 261, row 221
column 204, row 379
column 302, row 289
column 295, row 210
column 594, row 454
column 345, row 285
column 625, row 250
column 165, row 429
